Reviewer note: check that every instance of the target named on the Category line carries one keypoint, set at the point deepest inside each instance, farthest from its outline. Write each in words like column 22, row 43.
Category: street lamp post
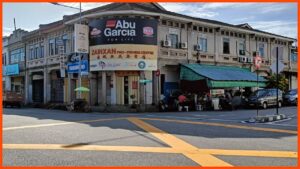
column 79, row 54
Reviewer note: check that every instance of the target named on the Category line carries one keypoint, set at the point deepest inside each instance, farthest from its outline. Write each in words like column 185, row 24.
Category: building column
column 142, row 92
column 114, row 89
column 28, row 87
column 69, row 99
column 155, row 91
column 47, row 87
column 93, row 89
column 103, row 96
column 7, row 83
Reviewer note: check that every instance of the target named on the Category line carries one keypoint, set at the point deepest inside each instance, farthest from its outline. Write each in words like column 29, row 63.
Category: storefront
column 123, row 51
column 199, row 78
column 14, row 77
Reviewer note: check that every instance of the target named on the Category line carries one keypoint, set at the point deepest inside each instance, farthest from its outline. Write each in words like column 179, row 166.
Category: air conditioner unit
column 243, row 59
column 242, row 52
column 249, row 60
column 198, row 47
column 167, row 43
column 183, row 45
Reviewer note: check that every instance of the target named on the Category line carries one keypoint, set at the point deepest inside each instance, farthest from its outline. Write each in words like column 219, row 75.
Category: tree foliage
column 282, row 82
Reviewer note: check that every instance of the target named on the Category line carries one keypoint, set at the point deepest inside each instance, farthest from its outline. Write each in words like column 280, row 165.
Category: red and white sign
column 148, row 31
column 257, row 61
column 157, row 73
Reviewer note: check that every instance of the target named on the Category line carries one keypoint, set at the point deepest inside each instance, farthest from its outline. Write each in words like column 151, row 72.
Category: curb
column 265, row 119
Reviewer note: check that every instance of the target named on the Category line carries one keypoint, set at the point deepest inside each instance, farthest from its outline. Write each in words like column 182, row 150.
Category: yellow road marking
column 224, row 125
column 255, row 153
column 89, row 148
column 58, row 124
column 179, row 145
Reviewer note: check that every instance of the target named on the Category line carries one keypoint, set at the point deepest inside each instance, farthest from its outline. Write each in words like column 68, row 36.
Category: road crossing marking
column 59, row 124
column 223, row 125
column 188, row 150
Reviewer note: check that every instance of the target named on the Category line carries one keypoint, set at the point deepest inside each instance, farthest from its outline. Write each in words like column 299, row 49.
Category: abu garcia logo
column 119, row 28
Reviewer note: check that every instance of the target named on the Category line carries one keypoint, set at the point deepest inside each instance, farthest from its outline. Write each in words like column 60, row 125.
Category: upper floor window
column 51, row 47
column 293, row 57
column 31, row 53
column 242, row 48
column 56, row 45
column 261, row 49
column 174, row 40
column 226, row 46
column 36, row 51
column 42, row 51
column 4, row 59
column 65, row 38
column 17, row 55
column 203, row 43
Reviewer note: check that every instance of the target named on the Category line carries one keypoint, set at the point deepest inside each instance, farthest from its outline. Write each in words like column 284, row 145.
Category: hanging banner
column 81, row 34
column 123, row 44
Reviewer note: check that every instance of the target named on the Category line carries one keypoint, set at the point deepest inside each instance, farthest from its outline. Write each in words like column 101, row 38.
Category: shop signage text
column 11, row 70
column 74, row 67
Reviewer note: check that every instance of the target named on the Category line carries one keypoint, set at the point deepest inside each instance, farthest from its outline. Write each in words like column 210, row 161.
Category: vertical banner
column 81, row 34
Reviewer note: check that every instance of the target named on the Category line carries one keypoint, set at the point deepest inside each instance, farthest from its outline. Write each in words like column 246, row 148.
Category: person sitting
column 181, row 100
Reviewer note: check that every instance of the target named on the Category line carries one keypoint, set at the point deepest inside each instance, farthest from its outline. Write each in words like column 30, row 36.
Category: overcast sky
column 278, row 18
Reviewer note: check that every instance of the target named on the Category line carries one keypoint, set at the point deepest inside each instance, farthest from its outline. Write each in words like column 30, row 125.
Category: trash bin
column 215, row 102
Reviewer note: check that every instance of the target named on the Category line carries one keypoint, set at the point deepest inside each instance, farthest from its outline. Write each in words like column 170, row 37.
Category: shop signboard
column 81, row 34
column 74, row 67
column 123, row 44
column 123, row 57
column 11, row 70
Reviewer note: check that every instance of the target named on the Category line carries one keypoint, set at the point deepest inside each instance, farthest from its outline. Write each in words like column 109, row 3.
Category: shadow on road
column 170, row 127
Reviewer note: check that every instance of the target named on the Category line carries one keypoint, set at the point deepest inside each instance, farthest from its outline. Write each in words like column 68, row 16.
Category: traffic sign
column 145, row 81
column 280, row 66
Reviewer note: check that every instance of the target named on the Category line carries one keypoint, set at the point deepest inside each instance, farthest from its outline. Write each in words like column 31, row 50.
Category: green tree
column 282, row 82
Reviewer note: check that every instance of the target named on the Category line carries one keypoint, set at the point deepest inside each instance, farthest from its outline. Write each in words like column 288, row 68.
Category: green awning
column 229, row 84
column 221, row 76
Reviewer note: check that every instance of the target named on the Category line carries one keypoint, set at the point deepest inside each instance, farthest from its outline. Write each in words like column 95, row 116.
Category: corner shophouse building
column 129, row 42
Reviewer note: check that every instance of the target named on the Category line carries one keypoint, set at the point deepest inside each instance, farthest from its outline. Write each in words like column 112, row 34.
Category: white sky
column 278, row 18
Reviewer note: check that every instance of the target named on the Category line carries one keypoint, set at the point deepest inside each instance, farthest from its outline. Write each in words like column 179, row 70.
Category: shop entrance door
column 38, row 91
column 57, row 90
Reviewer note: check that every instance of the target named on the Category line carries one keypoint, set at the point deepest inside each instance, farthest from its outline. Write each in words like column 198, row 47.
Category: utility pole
column 79, row 76
column 77, row 54
column 277, row 82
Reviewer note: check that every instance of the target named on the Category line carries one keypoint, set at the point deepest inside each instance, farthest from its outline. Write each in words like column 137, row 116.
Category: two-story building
column 132, row 43
column 14, row 69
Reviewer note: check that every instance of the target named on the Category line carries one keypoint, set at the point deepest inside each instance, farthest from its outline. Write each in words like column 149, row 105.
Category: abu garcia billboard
column 123, row 44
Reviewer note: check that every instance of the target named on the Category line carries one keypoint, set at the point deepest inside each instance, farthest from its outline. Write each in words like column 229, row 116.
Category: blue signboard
column 11, row 70
column 74, row 67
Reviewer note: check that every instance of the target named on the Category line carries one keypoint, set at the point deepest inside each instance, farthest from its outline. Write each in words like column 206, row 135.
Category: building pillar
column 99, row 88
column 155, row 91
column 93, row 89
column 47, row 87
column 69, row 89
column 142, row 92
column 114, row 89
column 7, row 83
column 28, row 87
column 103, row 88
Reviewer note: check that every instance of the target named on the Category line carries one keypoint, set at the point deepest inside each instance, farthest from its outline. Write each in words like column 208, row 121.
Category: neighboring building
column 148, row 39
column 5, row 79
column 14, row 70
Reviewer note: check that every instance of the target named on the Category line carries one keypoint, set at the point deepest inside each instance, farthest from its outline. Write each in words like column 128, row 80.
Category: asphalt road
column 39, row 137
